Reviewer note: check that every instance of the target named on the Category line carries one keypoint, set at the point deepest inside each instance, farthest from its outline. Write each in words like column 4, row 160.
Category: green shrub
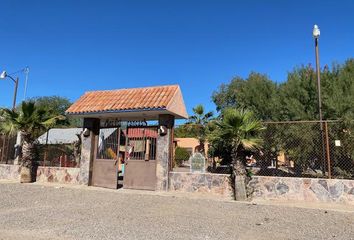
column 341, row 173
column 181, row 154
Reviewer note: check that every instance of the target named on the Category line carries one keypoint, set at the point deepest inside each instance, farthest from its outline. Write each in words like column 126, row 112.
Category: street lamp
column 4, row 75
column 316, row 35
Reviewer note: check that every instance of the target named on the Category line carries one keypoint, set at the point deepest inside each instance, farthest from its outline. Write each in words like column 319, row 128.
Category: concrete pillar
column 164, row 151
column 91, row 130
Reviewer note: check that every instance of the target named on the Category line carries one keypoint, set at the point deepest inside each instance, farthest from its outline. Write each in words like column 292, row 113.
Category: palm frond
column 199, row 109
column 29, row 119
column 251, row 143
column 51, row 122
column 238, row 127
column 208, row 115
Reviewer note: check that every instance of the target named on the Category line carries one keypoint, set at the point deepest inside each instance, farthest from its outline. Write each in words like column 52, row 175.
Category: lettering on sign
column 111, row 123
column 108, row 123
column 137, row 123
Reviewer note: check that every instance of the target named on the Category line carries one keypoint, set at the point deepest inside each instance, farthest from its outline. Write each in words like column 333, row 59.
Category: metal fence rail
column 7, row 149
column 59, row 147
column 58, row 155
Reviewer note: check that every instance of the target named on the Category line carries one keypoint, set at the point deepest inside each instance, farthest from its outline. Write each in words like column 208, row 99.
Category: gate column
column 164, row 151
column 91, row 125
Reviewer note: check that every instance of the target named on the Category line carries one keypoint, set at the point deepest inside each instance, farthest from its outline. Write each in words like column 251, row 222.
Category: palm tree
column 198, row 123
column 31, row 121
column 238, row 129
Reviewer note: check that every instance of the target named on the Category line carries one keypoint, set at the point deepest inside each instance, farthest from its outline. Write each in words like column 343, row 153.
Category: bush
column 181, row 155
column 341, row 173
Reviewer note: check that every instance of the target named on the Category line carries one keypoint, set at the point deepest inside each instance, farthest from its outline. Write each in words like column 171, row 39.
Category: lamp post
column 316, row 35
column 4, row 75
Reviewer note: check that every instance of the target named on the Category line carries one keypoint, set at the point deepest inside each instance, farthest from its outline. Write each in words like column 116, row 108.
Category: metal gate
column 128, row 152
column 140, row 158
column 106, row 160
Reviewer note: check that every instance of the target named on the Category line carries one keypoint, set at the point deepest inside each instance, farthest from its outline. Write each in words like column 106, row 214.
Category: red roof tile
column 124, row 99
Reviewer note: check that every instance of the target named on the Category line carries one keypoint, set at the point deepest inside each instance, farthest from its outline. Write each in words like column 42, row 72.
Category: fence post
column 328, row 151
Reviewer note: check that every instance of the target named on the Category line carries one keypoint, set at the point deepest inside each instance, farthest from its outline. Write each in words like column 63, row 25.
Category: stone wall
column 58, row 175
column 9, row 172
column 303, row 189
column 44, row 174
column 164, row 152
column 212, row 184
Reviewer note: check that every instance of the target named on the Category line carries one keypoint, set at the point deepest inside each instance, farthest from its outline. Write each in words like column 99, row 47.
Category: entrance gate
column 106, row 160
column 128, row 152
column 140, row 162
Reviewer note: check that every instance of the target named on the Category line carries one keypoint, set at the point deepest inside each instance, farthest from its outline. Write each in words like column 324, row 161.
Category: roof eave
column 113, row 111
column 151, row 114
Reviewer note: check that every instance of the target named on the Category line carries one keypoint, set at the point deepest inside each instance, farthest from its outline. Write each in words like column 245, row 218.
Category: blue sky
column 75, row 46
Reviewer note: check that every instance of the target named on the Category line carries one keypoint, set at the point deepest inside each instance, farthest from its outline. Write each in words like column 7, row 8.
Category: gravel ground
column 47, row 212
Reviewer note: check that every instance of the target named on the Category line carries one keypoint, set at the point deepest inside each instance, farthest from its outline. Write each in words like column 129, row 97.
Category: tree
column 256, row 93
column 183, row 131
column 198, row 124
column 338, row 91
column 57, row 105
column 54, row 104
column 298, row 95
column 296, row 99
column 299, row 101
column 31, row 121
column 238, row 130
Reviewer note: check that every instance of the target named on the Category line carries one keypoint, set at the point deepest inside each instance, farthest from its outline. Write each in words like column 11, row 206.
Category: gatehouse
column 127, row 138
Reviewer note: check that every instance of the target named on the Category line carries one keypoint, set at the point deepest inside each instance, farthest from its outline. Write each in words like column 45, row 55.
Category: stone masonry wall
column 213, row 184
column 9, row 172
column 44, row 174
column 303, row 189
column 265, row 188
column 58, row 175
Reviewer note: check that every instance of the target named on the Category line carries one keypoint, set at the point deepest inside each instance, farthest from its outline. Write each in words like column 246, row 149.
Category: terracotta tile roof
column 147, row 98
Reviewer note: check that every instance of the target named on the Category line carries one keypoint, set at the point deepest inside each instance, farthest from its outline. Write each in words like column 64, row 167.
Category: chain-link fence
column 298, row 149
column 305, row 149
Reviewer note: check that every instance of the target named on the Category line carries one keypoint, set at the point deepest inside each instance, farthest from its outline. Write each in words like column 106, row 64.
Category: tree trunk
column 239, row 172
column 28, row 174
column 202, row 147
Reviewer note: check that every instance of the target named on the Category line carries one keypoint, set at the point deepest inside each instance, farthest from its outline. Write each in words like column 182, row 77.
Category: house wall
column 189, row 143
